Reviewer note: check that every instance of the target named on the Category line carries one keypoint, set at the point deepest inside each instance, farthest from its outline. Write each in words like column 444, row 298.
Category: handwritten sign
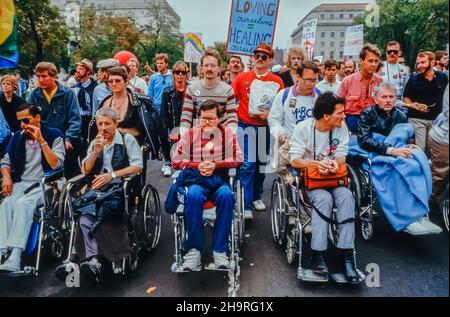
column 251, row 22
column 354, row 40
column 193, row 47
column 309, row 37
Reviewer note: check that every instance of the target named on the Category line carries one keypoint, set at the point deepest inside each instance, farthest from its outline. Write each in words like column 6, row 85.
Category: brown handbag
column 312, row 179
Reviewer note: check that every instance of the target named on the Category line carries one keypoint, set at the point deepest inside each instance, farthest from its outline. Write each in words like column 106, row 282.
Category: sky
column 211, row 17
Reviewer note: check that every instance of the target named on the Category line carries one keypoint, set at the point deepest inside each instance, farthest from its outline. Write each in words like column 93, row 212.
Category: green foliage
column 416, row 24
column 222, row 48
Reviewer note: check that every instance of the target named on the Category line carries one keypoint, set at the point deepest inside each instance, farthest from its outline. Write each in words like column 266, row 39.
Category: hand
column 414, row 147
column 334, row 167
column 68, row 146
column 284, row 69
column 420, row 107
column 99, row 144
column 35, row 132
column 263, row 114
column 404, row 152
column 7, row 186
column 101, row 180
column 283, row 138
column 324, row 167
column 206, row 168
column 174, row 137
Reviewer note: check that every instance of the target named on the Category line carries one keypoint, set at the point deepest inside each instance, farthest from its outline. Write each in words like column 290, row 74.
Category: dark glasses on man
column 25, row 120
column 261, row 56
column 392, row 52
column 180, row 72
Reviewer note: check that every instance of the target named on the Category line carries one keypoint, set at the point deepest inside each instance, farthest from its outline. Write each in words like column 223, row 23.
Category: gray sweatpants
column 16, row 215
column 421, row 130
column 324, row 200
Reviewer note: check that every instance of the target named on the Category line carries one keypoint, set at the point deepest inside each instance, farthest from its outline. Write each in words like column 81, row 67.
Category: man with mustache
column 423, row 96
column 210, row 87
column 350, row 67
column 235, row 66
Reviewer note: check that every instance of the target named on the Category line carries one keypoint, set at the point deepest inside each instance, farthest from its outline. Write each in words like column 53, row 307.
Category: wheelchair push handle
column 53, row 176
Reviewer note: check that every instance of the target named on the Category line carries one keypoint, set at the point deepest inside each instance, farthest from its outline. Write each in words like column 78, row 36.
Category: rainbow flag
column 195, row 41
column 9, row 55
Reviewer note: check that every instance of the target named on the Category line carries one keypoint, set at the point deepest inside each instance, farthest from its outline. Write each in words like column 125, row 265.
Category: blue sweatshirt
column 158, row 83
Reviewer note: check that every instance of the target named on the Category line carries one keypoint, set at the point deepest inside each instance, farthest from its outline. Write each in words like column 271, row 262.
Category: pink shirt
column 353, row 89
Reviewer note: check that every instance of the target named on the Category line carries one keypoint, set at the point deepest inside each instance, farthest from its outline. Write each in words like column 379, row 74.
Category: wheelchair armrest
column 232, row 172
column 53, row 176
column 129, row 178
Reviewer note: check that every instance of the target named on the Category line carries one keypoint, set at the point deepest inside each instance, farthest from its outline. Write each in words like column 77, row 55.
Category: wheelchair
column 236, row 238
column 142, row 214
column 46, row 235
column 444, row 208
column 291, row 216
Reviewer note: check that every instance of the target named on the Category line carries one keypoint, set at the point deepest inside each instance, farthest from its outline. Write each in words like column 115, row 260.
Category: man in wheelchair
column 205, row 154
column 386, row 120
column 35, row 150
column 111, row 156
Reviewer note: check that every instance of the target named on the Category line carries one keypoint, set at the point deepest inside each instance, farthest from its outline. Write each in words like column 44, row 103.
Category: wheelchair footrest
column 340, row 277
column 212, row 267
column 309, row 276
column 27, row 271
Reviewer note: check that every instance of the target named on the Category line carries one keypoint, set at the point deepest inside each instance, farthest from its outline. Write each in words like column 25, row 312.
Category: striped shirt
column 197, row 94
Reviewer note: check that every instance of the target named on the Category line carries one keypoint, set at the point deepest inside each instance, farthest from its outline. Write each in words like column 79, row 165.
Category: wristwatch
column 113, row 175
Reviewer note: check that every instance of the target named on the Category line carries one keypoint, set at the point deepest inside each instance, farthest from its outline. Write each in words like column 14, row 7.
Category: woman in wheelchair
column 33, row 151
column 321, row 143
column 111, row 156
column 205, row 154
column 379, row 127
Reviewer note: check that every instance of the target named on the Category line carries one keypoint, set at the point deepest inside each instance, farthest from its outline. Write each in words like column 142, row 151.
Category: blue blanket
column 403, row 186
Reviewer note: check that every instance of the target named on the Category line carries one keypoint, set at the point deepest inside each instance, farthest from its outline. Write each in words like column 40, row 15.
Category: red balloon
column 124, row 56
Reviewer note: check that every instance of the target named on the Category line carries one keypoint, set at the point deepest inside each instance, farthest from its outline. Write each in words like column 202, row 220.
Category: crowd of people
column 224, row 118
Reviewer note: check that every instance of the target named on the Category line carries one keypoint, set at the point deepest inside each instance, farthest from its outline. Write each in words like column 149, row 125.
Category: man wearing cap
column 255, row 90
column 85, row 93
column 102, row 90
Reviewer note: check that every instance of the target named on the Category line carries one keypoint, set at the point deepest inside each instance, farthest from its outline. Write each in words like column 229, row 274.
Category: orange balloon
column 124, row 56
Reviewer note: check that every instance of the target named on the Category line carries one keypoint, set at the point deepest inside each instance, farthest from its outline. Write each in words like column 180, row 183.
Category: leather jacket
column 171, row 109
column 149, row 123
column 375, row 120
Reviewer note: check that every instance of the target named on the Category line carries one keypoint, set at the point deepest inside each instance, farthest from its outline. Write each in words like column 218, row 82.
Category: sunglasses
column 180, row 72
column 25, row 120
column 392, row 52
column 263, row 57
column 115, row 81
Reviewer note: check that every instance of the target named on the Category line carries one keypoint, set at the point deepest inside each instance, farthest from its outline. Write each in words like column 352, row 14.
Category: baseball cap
column 264, row 48
column 86, row 64
column 107, row 63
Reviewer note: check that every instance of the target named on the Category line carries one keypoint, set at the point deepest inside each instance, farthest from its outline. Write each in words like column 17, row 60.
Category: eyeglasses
column 208, row 119
column 115, row 81
column 261, row 56
column 392, row 52
column 310, row 81
column 25, row 120
column 180, row 72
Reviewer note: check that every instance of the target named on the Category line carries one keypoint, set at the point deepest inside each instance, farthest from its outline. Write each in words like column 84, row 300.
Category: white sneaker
column 167, row 170
column 221, row 260
column 259, row 205
column 192, row 261
column 431, row 227
column 248, row 214
column 416, row 229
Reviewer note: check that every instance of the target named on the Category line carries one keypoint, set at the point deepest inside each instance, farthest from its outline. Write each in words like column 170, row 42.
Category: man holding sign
column 256, row 91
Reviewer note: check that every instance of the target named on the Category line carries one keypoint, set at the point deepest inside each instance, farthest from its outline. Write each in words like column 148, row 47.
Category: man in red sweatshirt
column 205, row 154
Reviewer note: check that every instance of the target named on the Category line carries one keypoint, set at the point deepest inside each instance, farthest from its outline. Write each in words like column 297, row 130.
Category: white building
column 139, row 10
column 333, row 20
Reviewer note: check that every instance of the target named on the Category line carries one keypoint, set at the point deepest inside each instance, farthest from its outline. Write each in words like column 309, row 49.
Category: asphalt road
column 409, row 266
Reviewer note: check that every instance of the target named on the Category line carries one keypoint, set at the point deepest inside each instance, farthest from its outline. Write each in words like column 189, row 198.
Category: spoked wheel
column 367, row 229
column 240, row 212
column 152, row 217
column 333, row 230
column 445, row 208
column 291, row 251
column 57, row 246
column 234, row 275
column 277, row 212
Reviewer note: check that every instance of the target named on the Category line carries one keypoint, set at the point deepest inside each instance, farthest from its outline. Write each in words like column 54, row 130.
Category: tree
column 416, row 24
column 42, row 34
column 222, row 48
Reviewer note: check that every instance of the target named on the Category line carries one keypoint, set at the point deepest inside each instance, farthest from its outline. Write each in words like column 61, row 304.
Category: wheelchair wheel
column 240, row 212
column 277, row 212
column 152, row 217
column 57, row 245
column 333, row 230
column 445, row 208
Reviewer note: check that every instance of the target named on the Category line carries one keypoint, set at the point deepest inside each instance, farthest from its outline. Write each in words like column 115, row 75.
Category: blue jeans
column 255, row 142
column 352, row 122
column 219, row 192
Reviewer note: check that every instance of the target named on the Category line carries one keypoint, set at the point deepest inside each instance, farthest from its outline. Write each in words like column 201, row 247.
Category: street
column 409, row 266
